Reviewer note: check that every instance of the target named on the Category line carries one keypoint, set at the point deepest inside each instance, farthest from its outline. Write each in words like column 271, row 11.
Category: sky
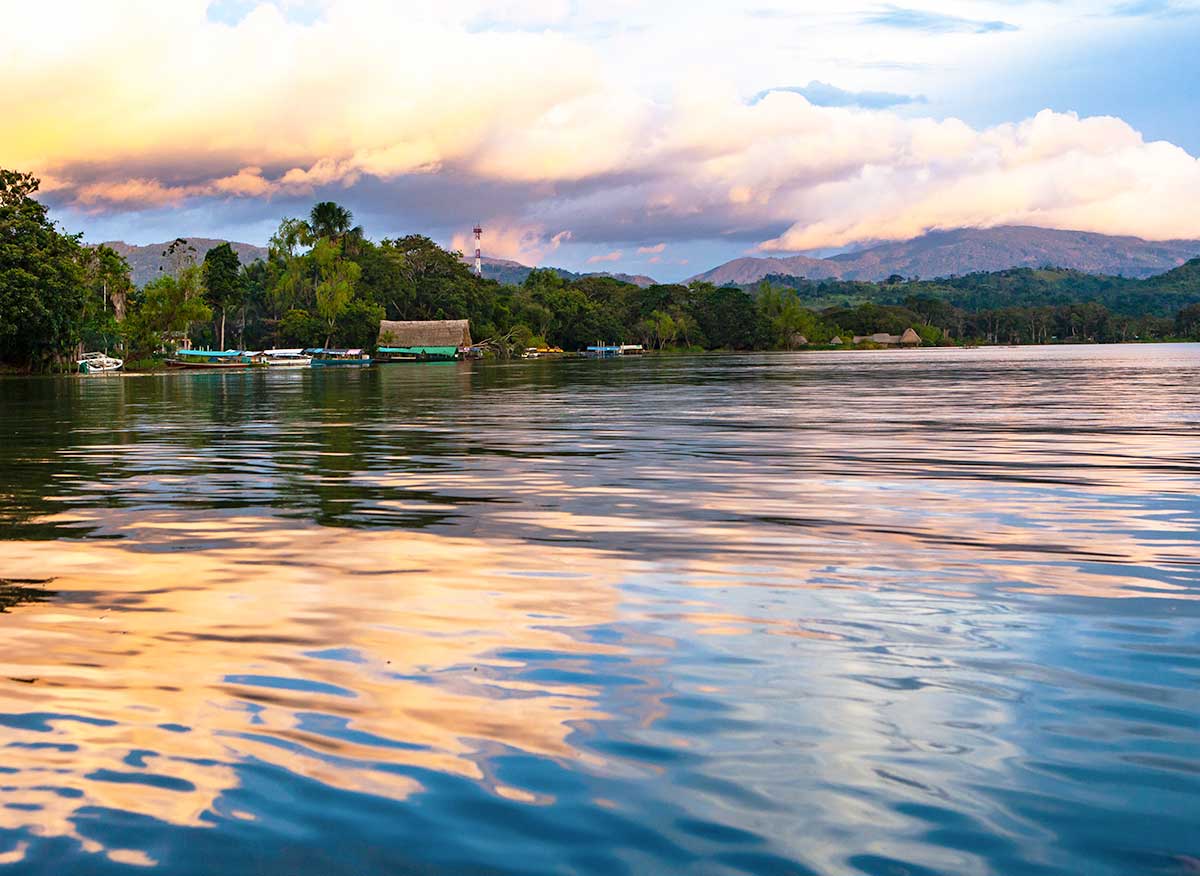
column 657, row 138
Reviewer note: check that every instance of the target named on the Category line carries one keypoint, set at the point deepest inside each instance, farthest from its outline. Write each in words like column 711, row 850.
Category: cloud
column 424, row 122
column 614, row 256
column 507, row 239
column 1155, row 9
column 933, row 22
column 824, row 94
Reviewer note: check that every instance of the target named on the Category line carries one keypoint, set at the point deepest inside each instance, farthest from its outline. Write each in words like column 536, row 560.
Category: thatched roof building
column 909, row 339
column 423, row 334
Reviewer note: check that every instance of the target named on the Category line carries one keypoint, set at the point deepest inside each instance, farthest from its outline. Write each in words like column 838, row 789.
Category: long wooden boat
column 327, row 358
column 293, row 358
column 215, row 359
column 416, row 354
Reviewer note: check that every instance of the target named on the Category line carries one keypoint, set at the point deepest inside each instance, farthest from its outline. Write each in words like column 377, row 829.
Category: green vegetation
column 324, row 283
column 42, row 279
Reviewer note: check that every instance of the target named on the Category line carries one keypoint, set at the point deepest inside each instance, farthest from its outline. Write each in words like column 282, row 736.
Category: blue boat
column 215, row 359
column 605, row 351
column 326, row 358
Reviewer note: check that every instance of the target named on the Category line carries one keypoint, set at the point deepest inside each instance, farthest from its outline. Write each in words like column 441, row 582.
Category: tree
column 178, row 255
column 291, row 234
column 106, row 296
column 1187, row 321
column 729, row 318
column 223, row 282
column 335, row 283
column 168, row 306
column 41, row 278
column 329, row 220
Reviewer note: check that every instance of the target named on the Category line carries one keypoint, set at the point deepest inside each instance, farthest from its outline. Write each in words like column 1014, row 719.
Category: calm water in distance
column 920, row 612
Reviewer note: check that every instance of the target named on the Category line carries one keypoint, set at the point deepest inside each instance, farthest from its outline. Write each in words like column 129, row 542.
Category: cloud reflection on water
column 640, row 617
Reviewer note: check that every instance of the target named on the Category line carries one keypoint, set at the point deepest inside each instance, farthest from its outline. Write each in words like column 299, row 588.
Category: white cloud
column 566, row 107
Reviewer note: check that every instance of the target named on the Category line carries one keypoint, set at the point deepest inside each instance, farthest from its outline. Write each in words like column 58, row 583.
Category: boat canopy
column 210, row 354
column 426, row 350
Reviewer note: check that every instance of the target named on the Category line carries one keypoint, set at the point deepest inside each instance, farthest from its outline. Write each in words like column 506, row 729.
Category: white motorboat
column 287, row 358
column 99, row 363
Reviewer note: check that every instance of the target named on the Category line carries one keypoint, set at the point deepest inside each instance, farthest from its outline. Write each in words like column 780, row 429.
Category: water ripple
column 923, row 612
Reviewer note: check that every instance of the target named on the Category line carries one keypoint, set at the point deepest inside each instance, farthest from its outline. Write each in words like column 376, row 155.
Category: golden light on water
column 215, row 657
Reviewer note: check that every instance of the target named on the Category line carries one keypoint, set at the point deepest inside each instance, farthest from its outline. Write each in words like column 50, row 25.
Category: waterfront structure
column 908, row 339
column 423, row 340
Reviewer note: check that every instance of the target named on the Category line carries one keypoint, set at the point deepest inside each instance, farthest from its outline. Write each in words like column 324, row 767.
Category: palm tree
column 330, row 220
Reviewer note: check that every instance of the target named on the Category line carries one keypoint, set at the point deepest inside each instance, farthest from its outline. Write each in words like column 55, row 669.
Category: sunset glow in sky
column 657, row 138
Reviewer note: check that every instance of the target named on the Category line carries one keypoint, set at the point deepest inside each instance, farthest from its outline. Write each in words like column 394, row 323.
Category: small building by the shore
column 405, row 340
column 908, row 339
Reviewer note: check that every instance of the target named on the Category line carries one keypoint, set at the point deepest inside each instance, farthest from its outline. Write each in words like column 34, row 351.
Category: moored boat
column 326, row 358
column 603, row 351
column 292, row 358
column 416, row 354
column 541, row 352
column 99, row 363
column 215, row 359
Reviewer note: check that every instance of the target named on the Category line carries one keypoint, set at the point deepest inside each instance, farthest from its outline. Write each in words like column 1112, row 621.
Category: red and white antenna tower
column 478, row 257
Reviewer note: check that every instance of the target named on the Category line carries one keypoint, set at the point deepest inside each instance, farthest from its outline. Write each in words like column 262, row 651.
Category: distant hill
column 969, row 250
column 514, row 273
column 145, row 261
column 1162, row 295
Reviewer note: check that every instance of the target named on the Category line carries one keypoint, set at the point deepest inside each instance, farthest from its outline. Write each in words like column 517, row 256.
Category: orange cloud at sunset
column 163, row 105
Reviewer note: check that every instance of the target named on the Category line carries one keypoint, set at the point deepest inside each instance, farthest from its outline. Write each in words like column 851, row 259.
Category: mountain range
column 935, row 254
column 514, row 273
column 146, row 262
column 968, row 250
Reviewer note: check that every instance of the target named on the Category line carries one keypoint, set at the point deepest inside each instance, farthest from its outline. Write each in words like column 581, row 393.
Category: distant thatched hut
column 409, row 340
column 883, row 339
column 909, row 339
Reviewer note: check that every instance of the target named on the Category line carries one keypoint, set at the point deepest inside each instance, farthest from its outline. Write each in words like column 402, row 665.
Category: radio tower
column 478, row 257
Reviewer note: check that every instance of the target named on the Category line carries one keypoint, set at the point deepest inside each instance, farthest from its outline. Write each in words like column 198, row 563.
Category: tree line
column 325, row 283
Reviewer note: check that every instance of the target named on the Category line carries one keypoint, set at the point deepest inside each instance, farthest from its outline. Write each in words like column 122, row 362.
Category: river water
column 919, row 612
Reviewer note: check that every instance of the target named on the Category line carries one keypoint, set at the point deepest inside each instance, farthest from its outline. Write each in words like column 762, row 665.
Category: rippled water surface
column 929, row 612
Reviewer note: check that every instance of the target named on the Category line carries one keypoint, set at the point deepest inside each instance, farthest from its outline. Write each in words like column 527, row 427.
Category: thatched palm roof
column 425, row 333
column 910, row 337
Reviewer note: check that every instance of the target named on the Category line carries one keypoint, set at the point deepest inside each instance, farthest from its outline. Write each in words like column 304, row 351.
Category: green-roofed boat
column 215, row 359
column 440, row 340
column 416, row 354
column 323, row 358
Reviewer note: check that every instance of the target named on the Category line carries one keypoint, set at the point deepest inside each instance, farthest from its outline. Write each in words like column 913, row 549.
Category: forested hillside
column 323, row 282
